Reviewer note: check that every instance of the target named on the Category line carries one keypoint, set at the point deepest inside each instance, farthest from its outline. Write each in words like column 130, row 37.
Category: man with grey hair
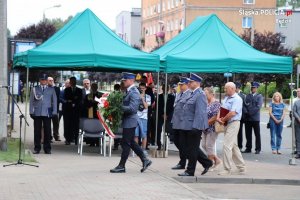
column 231, row 152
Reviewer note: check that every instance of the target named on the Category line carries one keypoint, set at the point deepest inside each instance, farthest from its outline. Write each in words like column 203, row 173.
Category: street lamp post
column 55, row 6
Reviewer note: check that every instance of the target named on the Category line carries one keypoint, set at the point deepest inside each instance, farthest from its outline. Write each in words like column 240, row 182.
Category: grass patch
column 12, row 153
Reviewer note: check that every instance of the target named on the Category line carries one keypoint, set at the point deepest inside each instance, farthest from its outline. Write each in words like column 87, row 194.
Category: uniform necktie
column 43, row 88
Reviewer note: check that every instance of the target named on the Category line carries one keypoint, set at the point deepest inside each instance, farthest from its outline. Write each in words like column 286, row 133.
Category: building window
column 176, row 24
column 169, row 5
column 283, row 40
column 148, row 12
column 168, row 26
column 172, row 3
column 172, row 26
column 249, row 1
column 247, row 22
column 163, row 6
column 150, row 32
column 182, row 2
column 154, row 29
column 182, row 24
column 176, row 3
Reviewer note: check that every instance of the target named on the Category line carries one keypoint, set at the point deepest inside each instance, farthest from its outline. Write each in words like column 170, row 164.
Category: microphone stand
column 20, row 161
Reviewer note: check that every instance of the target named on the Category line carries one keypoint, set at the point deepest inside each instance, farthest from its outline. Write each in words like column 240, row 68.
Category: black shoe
column 118, row 169
column 185, row 174
column 207, row 168
column 67, row 143
column 246, row 151
column 178, row 166
column 146, row 164
column 257, row 152
column 47, row 152
column 57, row 139
column 297, row 156
column 51, row 141
column 36, row 152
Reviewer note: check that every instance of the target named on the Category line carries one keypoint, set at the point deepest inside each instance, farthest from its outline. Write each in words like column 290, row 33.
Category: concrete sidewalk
column 66, row 175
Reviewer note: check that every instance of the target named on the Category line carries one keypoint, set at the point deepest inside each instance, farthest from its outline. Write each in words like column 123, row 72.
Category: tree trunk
column 3, row 75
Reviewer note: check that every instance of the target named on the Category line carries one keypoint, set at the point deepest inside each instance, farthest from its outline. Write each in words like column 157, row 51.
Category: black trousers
column 55, row 123
column 191, row 144
column 129, row 143
column 160, row 124
column 178, row 141
column 38, row 123
column 71, row 126
column 248, row 126
column 240, row 135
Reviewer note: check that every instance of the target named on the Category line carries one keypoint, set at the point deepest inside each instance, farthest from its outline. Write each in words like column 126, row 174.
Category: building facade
column 164, row 19
column 128, row 26
column 289, row 27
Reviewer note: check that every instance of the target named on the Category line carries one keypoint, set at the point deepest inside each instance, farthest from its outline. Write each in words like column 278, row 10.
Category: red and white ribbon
column 105, row 126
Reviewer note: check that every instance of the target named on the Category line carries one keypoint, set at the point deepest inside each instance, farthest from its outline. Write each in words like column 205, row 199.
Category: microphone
column 5, row 86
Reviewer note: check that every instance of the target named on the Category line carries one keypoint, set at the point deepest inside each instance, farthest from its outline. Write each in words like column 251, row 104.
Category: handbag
column 219, row 128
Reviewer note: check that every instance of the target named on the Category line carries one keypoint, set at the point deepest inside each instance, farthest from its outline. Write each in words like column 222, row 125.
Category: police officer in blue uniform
column 253, row 103
column 177, row 124
column 130, row 107
column 43, row 105
column 194, row 120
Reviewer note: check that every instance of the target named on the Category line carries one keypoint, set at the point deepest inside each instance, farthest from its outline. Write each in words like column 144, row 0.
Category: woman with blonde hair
column 276, row 111
column 209, row 136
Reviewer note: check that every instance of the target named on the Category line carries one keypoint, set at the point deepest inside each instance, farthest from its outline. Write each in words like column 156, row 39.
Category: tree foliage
column 270, row 43
column 43, row 30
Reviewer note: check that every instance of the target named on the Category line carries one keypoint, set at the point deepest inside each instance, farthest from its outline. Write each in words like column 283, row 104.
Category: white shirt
column 144, row 114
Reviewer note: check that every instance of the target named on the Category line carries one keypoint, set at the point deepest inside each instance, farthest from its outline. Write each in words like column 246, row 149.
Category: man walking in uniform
column 177, row 124
column 130, row 107
column 43, row 105
column 194, row 120
column 253, row 103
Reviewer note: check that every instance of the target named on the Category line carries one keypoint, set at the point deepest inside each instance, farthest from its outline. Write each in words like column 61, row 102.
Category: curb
column 238, row 181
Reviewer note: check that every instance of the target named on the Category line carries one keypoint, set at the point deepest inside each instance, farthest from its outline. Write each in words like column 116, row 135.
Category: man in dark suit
column 43, row 105
column 253, row 103
column 243, row 96
column 55, row 121
column 130, row 107
column 194, row 119
column 73, row 103
column 177, row 123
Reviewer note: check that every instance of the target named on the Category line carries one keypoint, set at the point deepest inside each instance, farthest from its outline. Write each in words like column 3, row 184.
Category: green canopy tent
column 86, row 43
column 207, row 45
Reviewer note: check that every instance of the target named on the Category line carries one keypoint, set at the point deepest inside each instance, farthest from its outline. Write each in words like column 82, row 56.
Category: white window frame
column 158, row 8
column 247, row 25
column 172, row 4
column 176, row 3
column 247, row 3
column 163, row 6
column 176, row 26
column 169, row 5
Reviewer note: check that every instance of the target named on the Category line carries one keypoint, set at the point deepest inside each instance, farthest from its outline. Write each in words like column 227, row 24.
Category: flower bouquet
column 110, row 112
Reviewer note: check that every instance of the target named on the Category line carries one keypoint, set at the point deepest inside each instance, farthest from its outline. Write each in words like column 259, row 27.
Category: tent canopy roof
column 87, row 43
column 207, row 45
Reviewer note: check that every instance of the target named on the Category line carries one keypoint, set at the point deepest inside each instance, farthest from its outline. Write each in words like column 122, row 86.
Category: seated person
column 90, row 110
